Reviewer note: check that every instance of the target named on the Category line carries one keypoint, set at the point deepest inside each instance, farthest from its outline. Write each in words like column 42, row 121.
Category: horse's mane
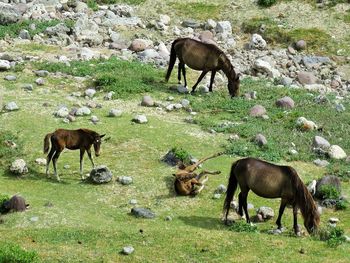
column 90, row 132
column 304, row 199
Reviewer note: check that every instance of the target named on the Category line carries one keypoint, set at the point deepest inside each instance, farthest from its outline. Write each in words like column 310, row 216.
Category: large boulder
column 8, row 14
column 15, row 204
column 329, row 180
column 19, row 167
column 87, row 32
column 100, row 175
column 336, row 152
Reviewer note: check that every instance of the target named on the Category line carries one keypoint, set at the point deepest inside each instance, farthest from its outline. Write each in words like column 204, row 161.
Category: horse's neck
column 227, row 67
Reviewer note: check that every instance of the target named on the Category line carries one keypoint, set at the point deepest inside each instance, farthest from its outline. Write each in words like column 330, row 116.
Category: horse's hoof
column 229, row 222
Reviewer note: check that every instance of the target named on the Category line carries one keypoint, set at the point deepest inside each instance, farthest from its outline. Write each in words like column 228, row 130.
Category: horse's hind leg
column 48, row 160
column 82, row 151
column 184, row 73
column 179, row 72
column 199, row 80
column 280, row 213
column 243, row 195
column 212, row 80
column 54, row 161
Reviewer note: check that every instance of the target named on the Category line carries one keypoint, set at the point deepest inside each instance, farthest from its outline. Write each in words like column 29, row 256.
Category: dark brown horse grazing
column 81, row 139
column 202, row 56
column 271, row 181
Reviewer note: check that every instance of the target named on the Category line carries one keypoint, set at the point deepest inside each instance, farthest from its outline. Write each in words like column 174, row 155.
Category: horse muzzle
column 97, row 154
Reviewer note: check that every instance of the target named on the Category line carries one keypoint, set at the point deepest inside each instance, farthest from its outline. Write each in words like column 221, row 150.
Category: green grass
column 13, row 253
column 197, row 10
column 40, row 26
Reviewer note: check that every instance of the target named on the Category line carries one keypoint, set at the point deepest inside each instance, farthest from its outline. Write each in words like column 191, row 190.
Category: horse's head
column 97, row 143
column 312, row 222
column 233, row 84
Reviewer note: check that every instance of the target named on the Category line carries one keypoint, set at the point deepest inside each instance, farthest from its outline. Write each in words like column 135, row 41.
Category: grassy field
column 80, row 222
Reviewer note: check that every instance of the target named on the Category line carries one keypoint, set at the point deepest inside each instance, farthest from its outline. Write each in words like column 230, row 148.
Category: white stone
column 115, row 113
column 19, row 166
column 224, row 27
column 11, row 106
column 257, row 42
column 140, row 119
column 40, row 161
column 4, row 64
column 336, row 152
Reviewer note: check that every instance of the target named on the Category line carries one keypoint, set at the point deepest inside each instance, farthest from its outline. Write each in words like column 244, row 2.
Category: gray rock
column 40, row 81
column 94, row 119
column 109, row 95
column 138, row 45
column 83, row 111
column 185, row 103
column 315, row 61
column 125, row 180
column 257, row 111
column 140, row 119
column 320, row 142
column 305, row 125
column 285, row 102
column 128, row 250
column 330, row 180
column 100, row 175
column 41, row 73
column 321, row 163
column 10, row 78
column 257, row 42
column 265, row 67
column 19, row 167
column 8, row 14
column 210, row 24
column 11, row 106
column 336, row 152
column 300, row 45
column 24, row 34
column 274, row 232
column 40, row 161
column 168, row 218
column 87, row 54
column 28, row 87
column 306, row 78
column 133, row 202
column 260, row 140
column 4, row 64
column 115, row 113
column 62, row 112
column 286, row 81
column 147, row 101
column 224, row 27
column 221, row 189
column 87, row 31
column 216, row 196
column 148, row 54
column 143, row 212
column 266, row 212
column 339, row 107
column 183, row 90
column 191, row 24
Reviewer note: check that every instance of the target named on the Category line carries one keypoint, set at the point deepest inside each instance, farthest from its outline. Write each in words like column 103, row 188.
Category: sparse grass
column 266, row 3
column 13, row 253
column 334, row 236
column 197, row 10
column 92, row 4
column 241, row 226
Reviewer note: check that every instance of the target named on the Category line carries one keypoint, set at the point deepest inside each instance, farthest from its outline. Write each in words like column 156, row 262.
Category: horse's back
column 263, row 178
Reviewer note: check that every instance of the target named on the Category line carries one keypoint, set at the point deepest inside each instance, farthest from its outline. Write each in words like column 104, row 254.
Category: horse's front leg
column 212, row 80
column 90, row 157
column 204, row 72
column 295, row 220
column 280, row 213
column 82, row 152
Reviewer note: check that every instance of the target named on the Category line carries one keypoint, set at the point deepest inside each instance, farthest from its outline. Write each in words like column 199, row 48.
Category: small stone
column 94, row 119
column 140, row 119
column 24, row 34
column 216, row 196
column 168, row 218
column 320, row 142
column 183, row 90
column 333, row 220
column 221, row 189
column 10, row 78
column 128, row 250
column 185, row 103
column 170, row 98
column 34, row 219
column 266, row 212
column 90, row 92
column 143, row 212
column 40, row 81
column 293, row 152
column 28, row 87
column 257, row 42
column 305, row 124
column 300, row 45
column 83, row 111
column 40, row 161
column 115, row 113
column 133, row 202
column 285, row 102
column 339, row 107
column 260, row 139
column 100, row 175
column 125, row 180
column 306, row 78
column 11, row 106
column 147, row 101
column 109, row 95
column 19, row 167
column 41, row 73
column 274, row 232
column 257, row 111
column 62, row 112
column 233, row 137
column 66, row 166
column 336, row 152
column 4, row 64
column 321, row 163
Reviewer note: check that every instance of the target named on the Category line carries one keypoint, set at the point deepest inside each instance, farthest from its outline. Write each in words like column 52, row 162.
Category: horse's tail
column 231, row 188
column 47, row 142
column 172, row 60
column 304, row 200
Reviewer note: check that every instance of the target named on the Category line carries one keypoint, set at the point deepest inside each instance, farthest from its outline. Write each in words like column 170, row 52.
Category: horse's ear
column 103, row 135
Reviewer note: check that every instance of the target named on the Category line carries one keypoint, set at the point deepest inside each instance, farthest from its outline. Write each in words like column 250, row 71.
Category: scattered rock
column 62, row 112
column 100, row 175
column 90, row 92
column 216, row 196
column 94, row 119
column 336, row 152
column 285, row 102
column 305, row 124
column 4, row 64
column 224, row 27
column 260, row 140
column 168, row 218
column 40, row 161
column 28, row 87
column 274, row 231
column 147, row 101
column 109, row 95
column 83, row 111
column 333, row 220
column 140, row 119
column 19, row 167
column 266, row 212
column 221, row 189
column 321, row 143
column 300, row 45
column 8, row 14
column 143, row 212
column 138, row 45
column 40, row 81
column 115, row 113
column 133, row 202
column 10, row 78
column 125, row 180
column 330, row 180
column 41, row 73
column 11, row 106
column 321, row 163
column 306, row 78
column 257, row 42
column 128, row 250
column 257, row 111
column 15, row 204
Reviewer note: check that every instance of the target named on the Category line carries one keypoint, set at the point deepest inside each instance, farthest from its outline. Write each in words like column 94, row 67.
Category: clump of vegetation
column 341, row 205
column 3, row 198
column 197, row 10
column 329, row 192
column 242, row 226
column 334, row 236
column 13, row 30
column 266, row 3
column 7, row 151
column 13, row 253
column 92, row 4
column 181, row 154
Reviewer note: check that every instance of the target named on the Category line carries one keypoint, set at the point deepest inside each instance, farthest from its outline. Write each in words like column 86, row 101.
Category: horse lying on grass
column 271, row 181
column 186, row 179
column 202, row 56
column 81, row 139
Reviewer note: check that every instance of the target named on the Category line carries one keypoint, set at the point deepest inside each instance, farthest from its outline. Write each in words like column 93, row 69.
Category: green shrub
column 92, row 5
column 13, row 253
column 266, row 3
column 341, row 205
column 181, row 154
column 242, row 226
column 329, row 192
column 334, row 236
column 3, row 199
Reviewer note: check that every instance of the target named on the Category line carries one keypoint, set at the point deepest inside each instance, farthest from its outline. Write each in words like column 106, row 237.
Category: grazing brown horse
column 186, row 179
column 272, row 181
column 81, row 139
column 202, row 56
